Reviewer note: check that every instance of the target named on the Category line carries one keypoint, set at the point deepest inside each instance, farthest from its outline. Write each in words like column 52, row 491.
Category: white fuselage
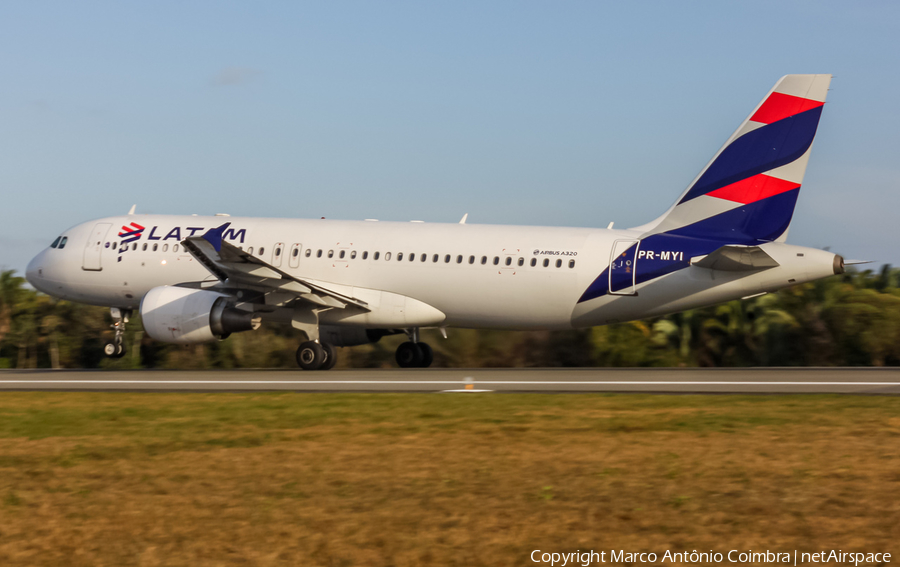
column 480, row 276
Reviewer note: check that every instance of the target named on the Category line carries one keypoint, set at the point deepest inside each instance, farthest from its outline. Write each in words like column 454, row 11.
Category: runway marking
column 442, row 382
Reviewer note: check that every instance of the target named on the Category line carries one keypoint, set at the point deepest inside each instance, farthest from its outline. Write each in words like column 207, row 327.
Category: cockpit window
column 62, row 243
column 56, row 242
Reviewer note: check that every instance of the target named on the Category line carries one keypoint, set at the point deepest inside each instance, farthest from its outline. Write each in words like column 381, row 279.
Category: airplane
column 342, row 283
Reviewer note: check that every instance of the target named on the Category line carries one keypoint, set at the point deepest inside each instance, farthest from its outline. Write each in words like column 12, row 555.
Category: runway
column 469, row 381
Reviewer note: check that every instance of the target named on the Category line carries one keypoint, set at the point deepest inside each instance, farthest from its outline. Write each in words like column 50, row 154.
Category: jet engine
column 190, row 316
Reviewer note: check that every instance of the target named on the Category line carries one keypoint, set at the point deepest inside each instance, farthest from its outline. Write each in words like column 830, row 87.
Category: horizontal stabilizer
column 737, row 259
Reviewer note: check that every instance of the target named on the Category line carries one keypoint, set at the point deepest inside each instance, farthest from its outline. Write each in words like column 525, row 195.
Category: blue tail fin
column 747, row 193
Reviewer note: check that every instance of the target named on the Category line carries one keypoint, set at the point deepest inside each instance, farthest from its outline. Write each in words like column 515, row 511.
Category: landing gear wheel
column 330, row 356
column 427, row 355
column 409, row 355
column 310, row 355
column 114, row 349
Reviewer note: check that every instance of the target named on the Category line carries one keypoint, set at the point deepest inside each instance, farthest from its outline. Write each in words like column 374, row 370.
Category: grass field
column 382, row 479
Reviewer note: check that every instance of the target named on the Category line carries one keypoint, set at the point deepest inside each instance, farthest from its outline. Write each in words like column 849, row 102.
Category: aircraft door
column 622, row 267
column 294, row 258
column 94, row 247
column 277, row 253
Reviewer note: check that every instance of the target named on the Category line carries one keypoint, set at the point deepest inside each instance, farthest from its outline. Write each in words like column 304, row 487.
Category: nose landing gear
column 116, row 348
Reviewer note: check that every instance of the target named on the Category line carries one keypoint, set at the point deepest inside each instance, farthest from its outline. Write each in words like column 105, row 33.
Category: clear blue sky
column 553, row 113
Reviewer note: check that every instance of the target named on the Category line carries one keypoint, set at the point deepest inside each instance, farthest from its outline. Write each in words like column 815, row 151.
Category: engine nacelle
column 189, row 316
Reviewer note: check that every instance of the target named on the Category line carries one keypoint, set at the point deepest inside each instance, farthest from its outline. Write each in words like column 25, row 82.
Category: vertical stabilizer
column 747, row 192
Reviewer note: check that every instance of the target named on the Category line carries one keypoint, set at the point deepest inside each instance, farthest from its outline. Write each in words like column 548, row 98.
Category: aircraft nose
column 34, row 273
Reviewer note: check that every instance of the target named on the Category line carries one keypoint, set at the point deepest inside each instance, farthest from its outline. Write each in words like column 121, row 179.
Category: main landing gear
column 316, row 356
column 319, row 355
column 413, row 353
column 116, row 348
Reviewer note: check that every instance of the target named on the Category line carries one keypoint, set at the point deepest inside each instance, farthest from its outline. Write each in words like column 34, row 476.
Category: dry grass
column 330, row 479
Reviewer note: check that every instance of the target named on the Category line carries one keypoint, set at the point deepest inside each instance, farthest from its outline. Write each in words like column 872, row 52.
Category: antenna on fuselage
column 463, row 220
column 131, row 210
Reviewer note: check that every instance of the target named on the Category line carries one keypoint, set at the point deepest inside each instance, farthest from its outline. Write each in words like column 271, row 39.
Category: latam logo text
column 666, row 255
column 177, row 234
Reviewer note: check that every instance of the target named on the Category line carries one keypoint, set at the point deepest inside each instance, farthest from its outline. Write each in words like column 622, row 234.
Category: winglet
column 214, row 236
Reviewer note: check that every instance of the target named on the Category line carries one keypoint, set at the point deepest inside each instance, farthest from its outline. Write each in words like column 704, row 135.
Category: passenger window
column 296, row 252
column 365, row 255
column 319, row 253
column 106, row 245
column 412, row 257
column 377, row 254
column 521, row 262
column 533, row 262
column 571, row 263
column 483, row 260
column 134, row 246
column 546, row 262
column 262, row 250
column 435, row 258
column 277, row 252
column 62, row 243
column 155, row 247
column 331, row 253
column 459, row 259
column 508, row 260
column 558, row 263
column 447, row 259
column 56, row 242
column 165, row 247
column 144, row 249
column 250, row 250
column 423, row 257
column 387, row 256
column 399, row 256
column 342, row 254
column 471, row 259
column 308, row 252
column 353, row 254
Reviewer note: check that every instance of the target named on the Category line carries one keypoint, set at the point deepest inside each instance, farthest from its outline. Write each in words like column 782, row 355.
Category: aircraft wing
column 736, row 259
column 228, row 262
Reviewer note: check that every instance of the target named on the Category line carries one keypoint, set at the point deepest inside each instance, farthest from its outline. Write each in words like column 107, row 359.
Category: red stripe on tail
column 753, row 189
column 779, row 106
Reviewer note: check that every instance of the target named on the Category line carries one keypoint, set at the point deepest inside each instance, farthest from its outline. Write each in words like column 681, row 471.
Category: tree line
column 847, row 320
